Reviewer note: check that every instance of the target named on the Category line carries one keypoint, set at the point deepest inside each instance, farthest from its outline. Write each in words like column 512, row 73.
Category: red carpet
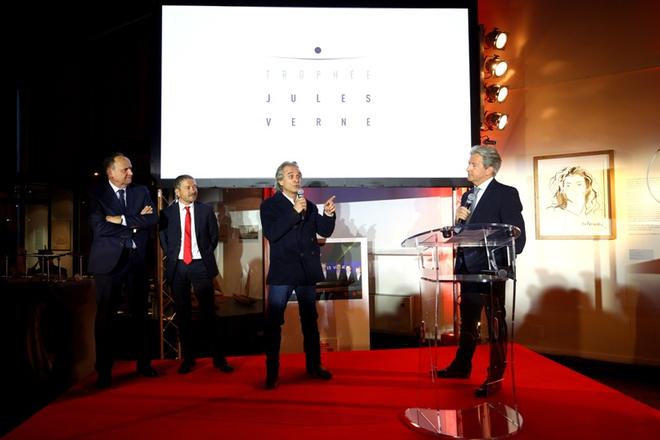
column 364, row 400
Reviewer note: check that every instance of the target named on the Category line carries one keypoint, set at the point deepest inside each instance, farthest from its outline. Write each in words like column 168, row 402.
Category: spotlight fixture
column 496, row 39
column 487, row 141
column 496, row 93
column 496, row 66
column 496, row 120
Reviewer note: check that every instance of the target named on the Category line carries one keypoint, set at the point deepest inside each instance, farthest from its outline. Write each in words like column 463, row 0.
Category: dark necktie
column 122, row 199
column 187, row 238
column 475, row 191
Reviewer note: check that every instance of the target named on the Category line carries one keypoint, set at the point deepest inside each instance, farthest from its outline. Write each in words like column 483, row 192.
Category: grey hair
column 279, row 174
column 179, row 180
column 489, row 156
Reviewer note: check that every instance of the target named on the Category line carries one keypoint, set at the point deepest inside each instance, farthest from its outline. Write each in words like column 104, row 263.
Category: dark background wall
column 84, row 78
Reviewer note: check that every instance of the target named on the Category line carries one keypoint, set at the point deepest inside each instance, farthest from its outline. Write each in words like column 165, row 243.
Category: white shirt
column 293, row 202
column 182, row 214
column 482, row 189
column 123, row 218
column 116, row 190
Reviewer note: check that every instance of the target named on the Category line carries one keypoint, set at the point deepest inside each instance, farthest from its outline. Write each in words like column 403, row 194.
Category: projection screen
column 358, row 96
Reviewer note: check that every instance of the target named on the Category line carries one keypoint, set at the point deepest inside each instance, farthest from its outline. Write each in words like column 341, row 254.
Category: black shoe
column 186, row 366
column 320, row 373
column 103, row 381
column 271, row 381
column 488, row 388
column 147, row 370
column 453, row 372
column 223, row 365
column 226, row 368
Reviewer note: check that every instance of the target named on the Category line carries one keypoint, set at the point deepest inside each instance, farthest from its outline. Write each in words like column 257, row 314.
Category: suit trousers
column 129, row 273
column 195, row 276
column 278, row 296
column 474, row 297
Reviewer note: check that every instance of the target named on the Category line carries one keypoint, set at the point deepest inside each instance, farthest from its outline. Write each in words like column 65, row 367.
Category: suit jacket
column 295, row 255
column 109, row 240
column 498, row 204
column 206, row 233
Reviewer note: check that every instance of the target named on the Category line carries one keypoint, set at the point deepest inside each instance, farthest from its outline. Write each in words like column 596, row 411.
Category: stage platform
column 365, row 400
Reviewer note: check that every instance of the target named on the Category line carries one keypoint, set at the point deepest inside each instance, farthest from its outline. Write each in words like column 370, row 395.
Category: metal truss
column 170, row 346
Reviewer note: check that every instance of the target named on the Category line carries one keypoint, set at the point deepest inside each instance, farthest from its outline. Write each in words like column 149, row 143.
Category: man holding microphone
column 291, row 224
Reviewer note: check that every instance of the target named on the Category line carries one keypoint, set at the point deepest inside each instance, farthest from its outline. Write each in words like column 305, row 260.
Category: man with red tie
column 189, row 235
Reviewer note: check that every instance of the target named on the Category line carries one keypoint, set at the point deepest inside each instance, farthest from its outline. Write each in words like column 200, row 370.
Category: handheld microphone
column 301, row 194
column 468, row 203
column 500, row 274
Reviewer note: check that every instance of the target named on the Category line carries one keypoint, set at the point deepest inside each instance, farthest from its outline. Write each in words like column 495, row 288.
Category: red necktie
column 187, row 238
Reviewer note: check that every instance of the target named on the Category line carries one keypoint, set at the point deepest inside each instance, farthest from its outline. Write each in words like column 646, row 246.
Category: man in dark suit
column 350, row 276
column 340, row 272
column 121, row 218
column 330, row 275
column 358, row 275
column 189, row 235
column 290, row 224
column 493, row 203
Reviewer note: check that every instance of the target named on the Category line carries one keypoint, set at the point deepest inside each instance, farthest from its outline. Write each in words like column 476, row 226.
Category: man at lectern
column 291, row 223
column 487, row 202
column 188, row 236
column 121, row 218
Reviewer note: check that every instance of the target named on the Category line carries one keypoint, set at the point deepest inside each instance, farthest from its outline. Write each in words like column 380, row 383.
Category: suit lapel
column 198, row 219
column 282, row 200
column 113, row 200
column 131, row 207
column 176, row 220
column 485, row 198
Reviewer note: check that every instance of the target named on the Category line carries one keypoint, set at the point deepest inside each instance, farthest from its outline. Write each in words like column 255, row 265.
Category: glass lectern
column 489, row 418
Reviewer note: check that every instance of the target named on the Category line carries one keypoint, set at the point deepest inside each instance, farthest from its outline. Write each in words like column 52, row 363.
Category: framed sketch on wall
column 574, row 196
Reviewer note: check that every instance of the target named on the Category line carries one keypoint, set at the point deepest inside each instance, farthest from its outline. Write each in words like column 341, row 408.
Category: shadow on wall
column 565, row 321
column 232, row 251
column 642, row 303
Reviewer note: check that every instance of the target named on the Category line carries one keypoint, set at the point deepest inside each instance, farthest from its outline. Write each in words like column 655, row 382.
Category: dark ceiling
column 85, row 78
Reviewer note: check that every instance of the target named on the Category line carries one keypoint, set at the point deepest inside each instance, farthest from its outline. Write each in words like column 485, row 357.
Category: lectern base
column 484, row 421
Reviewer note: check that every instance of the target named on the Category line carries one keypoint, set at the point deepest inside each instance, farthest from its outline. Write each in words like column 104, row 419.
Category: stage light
column 496, row 120
column 487, row 141
column 496, row 39
column 496, row 93
column 496, row 66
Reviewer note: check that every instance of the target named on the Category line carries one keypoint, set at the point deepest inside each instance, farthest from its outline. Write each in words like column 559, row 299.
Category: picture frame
column 342, row 301
column 574, row 196
column 60, row 235
column 345, row 269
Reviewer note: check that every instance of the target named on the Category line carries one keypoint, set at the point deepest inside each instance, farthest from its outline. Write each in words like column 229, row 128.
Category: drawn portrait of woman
column 573, row 196
column 573, row 192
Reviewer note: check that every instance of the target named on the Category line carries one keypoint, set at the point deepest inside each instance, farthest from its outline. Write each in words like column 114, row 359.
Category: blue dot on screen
column 317, row 49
